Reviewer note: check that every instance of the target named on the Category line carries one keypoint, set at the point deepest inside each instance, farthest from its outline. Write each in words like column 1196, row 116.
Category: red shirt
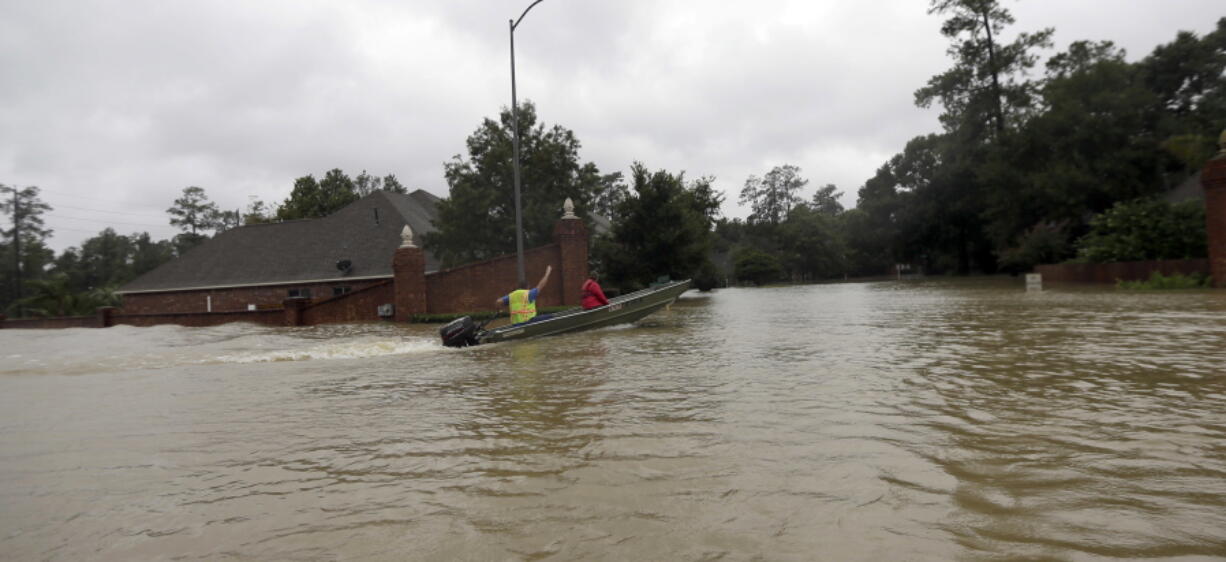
column 592, row 295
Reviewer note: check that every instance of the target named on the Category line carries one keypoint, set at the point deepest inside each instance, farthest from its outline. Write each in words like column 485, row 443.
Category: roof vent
column 344, row 266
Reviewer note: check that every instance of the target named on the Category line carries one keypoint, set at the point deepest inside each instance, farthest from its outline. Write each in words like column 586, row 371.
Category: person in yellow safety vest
column 522, row 301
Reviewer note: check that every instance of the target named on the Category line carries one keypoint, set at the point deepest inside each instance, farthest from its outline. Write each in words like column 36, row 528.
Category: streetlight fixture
column 519, row 221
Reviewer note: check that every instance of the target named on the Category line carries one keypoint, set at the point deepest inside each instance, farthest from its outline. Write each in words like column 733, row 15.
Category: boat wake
column 340, row 350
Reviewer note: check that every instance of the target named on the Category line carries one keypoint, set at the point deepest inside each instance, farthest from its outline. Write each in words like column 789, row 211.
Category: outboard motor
column 461, row 332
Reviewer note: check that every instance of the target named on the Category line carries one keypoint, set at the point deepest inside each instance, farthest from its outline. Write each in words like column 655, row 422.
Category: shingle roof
column 366, row 232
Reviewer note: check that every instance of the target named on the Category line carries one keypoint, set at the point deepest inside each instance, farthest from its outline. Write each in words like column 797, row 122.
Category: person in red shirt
column 593, row 297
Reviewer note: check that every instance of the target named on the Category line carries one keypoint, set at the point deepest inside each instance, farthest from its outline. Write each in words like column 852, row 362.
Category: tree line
column 1026, row 166
column 1029, row 167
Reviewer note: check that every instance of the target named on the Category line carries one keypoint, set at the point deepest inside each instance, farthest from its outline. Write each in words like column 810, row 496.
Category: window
column 300, row 293
column 338, row 291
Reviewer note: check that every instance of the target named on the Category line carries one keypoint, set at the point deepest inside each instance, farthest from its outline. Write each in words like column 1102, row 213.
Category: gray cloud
column 115, row 106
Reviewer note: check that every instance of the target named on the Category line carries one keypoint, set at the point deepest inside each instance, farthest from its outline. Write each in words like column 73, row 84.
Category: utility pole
column 519, row 221
column 17, row 248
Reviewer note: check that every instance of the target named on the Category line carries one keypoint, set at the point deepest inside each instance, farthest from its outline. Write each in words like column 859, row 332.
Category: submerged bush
column 1159, row 282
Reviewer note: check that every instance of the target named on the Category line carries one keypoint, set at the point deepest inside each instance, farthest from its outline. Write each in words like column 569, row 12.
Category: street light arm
column 521, row 16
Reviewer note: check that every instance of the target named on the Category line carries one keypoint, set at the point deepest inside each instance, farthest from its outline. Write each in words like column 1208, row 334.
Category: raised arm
column 544, row 278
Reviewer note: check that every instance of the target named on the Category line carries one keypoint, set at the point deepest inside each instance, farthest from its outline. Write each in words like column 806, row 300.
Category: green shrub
column 707, row 277
column 1044, row 243
column 1146, row 229
column 757, row 267
column 1159, row 282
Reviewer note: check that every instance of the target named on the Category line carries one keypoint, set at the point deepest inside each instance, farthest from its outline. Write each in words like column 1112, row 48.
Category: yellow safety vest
column 522, row 310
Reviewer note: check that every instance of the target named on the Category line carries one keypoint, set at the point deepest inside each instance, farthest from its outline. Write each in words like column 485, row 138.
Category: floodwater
column 935, row 420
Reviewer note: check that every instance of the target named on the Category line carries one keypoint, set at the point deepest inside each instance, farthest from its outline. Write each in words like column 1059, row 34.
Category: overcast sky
column 113, row 107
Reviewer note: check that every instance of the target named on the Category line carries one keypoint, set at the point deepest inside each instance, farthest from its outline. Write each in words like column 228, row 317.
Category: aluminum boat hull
column 620, row 310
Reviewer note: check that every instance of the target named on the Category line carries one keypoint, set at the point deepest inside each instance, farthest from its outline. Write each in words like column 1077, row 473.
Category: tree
column 611, row 193
column 365, row 184
column 193, row 212
column 258, row 212
column 662, row 229
column 147, row 254
column 312, row 199
column 390, row 183
column 304, row 200
column 872, row 228
column 1187, row 76
column 53, row 297
column 983, row 86
column 477, row 220
column 772, row 196
column 106, row 259
column 757, row 267
column 1087, row 149
column 25, row 254
column 826, row 200
column 813, row 247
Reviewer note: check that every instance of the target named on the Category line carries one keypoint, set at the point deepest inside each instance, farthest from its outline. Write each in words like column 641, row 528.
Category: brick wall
column 474, row 287
column 1111, row 272
column 410, row 294
column 231, row 300
column 571, row 237
column 1213, row 178
column 357, row 306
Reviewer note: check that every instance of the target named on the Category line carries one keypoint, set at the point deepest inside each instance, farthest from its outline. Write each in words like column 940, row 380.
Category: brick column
column 294, row 308
column 106, row 316
column 1213, row 178
column 570, row 235
column 409, row 278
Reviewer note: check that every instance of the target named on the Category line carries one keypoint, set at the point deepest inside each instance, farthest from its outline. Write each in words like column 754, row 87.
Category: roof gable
column 365, row 232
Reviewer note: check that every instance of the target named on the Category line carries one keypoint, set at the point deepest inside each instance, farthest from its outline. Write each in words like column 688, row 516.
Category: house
column 259, row 266
column 359, row 264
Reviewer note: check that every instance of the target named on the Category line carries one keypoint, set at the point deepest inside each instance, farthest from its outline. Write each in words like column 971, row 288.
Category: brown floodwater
column 934, row 420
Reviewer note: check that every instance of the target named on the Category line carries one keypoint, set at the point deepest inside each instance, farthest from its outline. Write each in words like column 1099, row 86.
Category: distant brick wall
column 1126, row 271
column 233, row 299
column 474, row 287
column 357, row 306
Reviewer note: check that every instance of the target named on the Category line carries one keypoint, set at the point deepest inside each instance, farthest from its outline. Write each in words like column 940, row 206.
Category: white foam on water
column 353, row 349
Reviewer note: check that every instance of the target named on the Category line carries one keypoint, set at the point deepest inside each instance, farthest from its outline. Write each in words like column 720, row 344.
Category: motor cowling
column 461, row 332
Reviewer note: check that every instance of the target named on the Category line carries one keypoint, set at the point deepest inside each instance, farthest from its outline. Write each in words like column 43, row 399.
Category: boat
column 631, row 307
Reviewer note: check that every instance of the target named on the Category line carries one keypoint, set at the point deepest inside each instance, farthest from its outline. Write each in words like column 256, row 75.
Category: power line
column 59, row 228
column 105, row 221
column 75, row 196
column 58, row 206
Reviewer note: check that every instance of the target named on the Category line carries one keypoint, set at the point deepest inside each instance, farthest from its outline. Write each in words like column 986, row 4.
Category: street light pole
column 519, row 220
